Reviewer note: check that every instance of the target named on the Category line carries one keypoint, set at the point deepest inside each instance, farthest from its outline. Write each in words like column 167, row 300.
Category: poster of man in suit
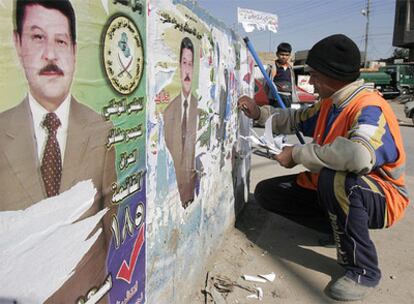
column 180, row 126
column 50, row 141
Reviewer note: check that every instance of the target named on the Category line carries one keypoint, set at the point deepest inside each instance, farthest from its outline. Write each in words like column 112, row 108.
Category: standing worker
column 356, row 161
column 282, row 75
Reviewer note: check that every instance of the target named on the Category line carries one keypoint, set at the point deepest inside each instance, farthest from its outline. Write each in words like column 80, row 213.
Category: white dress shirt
column 41, row 133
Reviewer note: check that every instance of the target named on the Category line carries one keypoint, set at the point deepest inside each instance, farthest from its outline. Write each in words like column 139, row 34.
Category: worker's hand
column 285, row 158
column 249, row 107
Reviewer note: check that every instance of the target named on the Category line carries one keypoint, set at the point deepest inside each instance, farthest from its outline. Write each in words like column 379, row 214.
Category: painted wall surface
column 72, row 223
column 196, row 71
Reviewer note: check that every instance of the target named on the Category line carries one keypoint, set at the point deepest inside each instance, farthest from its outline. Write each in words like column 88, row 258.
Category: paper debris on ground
column 253, row 278
column 258, row 295
column 218, row 287
column 270, row 276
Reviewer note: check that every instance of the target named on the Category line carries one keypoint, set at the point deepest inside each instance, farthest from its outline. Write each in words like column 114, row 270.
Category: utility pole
column 366, row 12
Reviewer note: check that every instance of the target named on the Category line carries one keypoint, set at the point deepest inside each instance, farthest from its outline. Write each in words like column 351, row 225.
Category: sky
column 302, row 23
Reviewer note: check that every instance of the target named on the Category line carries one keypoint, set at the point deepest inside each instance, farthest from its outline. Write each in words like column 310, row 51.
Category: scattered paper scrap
column 258, row 295
column 270, row 276
column 252, row 296
column 253, row 278
column 218, row 287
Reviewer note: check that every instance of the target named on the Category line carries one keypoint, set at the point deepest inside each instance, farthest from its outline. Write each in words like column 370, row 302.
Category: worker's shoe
column 346, row 289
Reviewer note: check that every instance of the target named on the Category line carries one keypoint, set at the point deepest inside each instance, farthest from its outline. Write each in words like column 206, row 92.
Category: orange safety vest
column 390, row 183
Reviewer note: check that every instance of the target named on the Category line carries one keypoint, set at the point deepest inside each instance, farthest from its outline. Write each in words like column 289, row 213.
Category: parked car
column 409, row 109
column 305, row 98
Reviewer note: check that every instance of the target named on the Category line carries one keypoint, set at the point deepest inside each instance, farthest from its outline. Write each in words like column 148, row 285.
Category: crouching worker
column 356, row 164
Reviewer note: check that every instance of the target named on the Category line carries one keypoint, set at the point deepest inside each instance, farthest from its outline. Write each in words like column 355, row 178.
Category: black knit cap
column 336, row 56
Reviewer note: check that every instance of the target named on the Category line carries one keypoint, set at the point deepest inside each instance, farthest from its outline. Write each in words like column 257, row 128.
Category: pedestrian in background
column 281, row 72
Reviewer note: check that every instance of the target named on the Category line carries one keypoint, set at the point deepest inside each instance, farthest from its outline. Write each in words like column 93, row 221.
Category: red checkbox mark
column 125, row 271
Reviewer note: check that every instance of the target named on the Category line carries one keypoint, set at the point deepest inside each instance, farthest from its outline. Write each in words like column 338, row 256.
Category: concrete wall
column 181, row 236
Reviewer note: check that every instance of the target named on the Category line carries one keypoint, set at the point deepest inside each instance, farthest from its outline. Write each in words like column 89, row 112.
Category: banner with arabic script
column 255, row 20
column 73, row 152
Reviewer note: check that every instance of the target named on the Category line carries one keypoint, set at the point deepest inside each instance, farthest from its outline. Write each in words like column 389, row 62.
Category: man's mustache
column 187, row 78
column 51, row 68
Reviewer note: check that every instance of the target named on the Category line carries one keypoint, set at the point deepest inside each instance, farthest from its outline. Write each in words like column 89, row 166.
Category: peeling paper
column 163, row 78
column 45, row 215
column 243, row 173
column 105, row 6
column 273, row 145
column 35, row 266
column 277, row 142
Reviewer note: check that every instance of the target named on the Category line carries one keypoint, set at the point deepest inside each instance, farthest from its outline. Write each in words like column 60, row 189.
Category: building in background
column 404, row 26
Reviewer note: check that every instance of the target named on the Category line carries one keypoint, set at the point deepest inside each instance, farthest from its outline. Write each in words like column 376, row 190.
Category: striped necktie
column 51, row 167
